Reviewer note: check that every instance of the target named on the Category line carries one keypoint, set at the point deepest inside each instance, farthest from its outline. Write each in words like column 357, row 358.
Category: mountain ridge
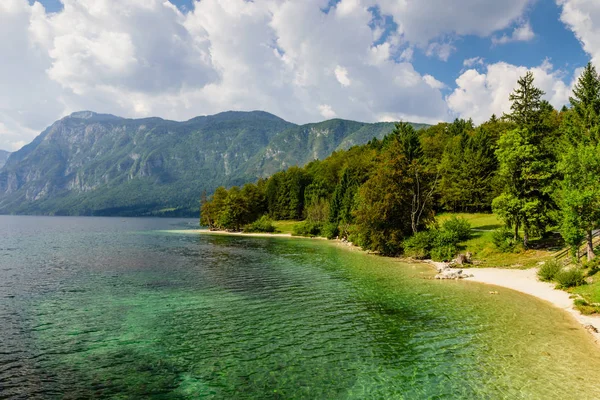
column 101, row 164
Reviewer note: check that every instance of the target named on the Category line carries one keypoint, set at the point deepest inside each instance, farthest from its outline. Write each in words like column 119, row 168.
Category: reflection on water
column 108, row 307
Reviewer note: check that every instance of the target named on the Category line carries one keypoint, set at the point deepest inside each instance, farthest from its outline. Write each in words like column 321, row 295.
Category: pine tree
column 467, row 172
column 526, row 163
column 585, row 103
column 580, row 195
column 526, row 103
column 580, row 164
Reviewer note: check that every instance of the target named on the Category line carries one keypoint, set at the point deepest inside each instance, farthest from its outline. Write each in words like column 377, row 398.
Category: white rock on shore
column 447, row 272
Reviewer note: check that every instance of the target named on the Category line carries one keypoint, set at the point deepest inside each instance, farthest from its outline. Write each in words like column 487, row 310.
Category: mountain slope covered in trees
column 98, row 164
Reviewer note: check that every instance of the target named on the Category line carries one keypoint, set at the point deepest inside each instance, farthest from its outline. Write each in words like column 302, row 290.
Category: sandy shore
column 525, row 281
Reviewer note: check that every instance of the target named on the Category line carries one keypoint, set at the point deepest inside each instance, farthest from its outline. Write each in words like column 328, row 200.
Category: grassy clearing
column 479, row 221
column 485, row 252
column 284, row 226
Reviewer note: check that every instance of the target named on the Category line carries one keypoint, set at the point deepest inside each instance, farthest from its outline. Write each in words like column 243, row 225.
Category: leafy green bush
column 419, row 245
column 459, row 227
column 445, row 245
column 504, row 240
column 330, row 230
column 307, row 228
column 585, row 308
column 443, row 238
column 438, row 244
column 263, row 224
column 569, row 277
column 444, row 252
column 549, row 270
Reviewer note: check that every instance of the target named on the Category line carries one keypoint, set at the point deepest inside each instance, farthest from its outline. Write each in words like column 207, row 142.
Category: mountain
column 100, row 164
column 3, row 157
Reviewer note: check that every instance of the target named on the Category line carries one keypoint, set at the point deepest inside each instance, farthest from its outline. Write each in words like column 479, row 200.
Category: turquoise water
column 120, row 308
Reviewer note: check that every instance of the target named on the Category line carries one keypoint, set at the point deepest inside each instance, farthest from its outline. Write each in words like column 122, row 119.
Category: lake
column 123, row 308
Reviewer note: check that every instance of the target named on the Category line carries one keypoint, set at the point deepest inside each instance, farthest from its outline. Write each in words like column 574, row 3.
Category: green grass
column 482, row 221
column 485, row 253
column 590, row 294
column 284, row 226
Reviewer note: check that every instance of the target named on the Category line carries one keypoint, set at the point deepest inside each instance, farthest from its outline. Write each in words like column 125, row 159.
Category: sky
column 303, row 60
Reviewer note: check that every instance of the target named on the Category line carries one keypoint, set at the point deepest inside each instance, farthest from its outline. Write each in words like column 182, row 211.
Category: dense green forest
column 535, row 167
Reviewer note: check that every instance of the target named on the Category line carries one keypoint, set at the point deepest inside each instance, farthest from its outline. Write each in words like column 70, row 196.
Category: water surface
column 120, row 308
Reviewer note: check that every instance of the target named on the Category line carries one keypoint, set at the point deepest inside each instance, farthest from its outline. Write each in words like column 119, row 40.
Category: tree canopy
column 535, row 167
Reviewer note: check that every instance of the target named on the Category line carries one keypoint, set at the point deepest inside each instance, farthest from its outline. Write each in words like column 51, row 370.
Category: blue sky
column 553, row 40
column 305, row 61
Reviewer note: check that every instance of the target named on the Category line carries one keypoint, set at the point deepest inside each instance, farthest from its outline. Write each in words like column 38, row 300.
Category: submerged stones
column 591, row 328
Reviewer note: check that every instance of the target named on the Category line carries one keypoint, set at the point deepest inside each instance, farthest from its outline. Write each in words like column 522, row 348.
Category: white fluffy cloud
column 583, row 17
column 326, row 111
column 138, row 58
column 28, row 99
column 425, row 20
column 479, row 95
column 521, row 33
column 432, row 82
column 433, row 24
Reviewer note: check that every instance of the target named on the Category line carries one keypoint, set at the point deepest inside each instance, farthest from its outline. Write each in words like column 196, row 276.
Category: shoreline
column 526, row 281
column 255, row 234
column 226, row 233
column 523, row 281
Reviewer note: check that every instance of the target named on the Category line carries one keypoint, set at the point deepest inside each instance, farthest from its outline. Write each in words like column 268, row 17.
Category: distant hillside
column 98, row 164
column 3, row 157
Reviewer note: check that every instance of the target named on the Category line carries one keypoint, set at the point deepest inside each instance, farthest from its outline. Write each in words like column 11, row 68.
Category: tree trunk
column 590, row 245
column 525, row 237
column 516, row 231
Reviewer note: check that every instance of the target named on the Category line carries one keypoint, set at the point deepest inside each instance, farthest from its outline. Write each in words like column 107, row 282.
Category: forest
column 535, row 167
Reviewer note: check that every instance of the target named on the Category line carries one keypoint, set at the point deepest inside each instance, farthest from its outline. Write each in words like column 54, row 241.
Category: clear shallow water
column 119, row 308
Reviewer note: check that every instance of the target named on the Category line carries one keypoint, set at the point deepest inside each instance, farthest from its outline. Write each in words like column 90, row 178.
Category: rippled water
column 119, row 308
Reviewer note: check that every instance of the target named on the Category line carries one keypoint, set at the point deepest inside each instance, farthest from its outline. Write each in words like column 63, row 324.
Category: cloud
column 433, row 83
column 422, row 21
column 341, row 75
column 479, row 95
column 434, row 24
column 28, row 99
column 326, row 111
column 583, row 18
column 522, row 33
column 470, row 62
column 138, row 58
column 440, row 50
